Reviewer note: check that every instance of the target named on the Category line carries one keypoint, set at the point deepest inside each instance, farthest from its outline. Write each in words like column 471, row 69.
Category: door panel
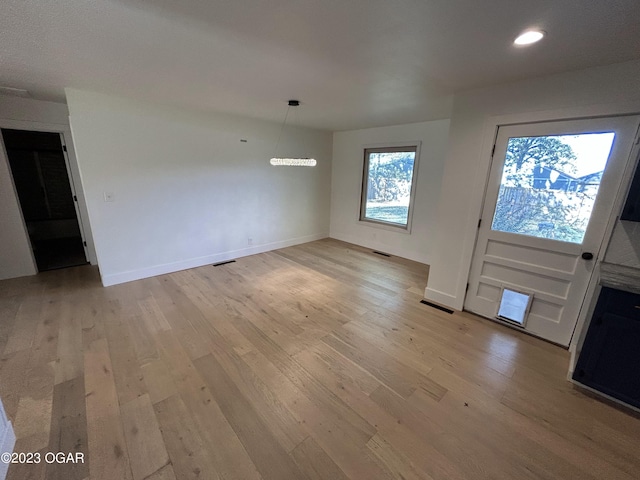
column 549, row 197
column 75, row 198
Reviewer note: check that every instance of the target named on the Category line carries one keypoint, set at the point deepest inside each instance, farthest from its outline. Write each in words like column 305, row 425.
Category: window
column 549, row 185
column 388, row 186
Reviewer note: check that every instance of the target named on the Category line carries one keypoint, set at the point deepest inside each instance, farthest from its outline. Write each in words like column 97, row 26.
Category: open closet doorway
column 40, row 171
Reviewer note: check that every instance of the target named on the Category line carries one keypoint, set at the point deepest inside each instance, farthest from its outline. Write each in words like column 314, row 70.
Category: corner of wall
column 443, row 298
column 7, row 440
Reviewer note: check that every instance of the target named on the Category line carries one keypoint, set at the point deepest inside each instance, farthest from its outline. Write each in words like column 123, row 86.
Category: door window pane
column 387, row 185
column 549, row 185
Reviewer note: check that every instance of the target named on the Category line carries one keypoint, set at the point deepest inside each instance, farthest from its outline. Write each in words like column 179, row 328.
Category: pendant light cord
column 281, row 130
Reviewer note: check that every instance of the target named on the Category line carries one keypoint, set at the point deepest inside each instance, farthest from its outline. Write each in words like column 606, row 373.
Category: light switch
column 109, row 197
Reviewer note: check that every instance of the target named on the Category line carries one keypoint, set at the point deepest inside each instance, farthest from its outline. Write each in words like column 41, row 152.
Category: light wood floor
column 310, row 362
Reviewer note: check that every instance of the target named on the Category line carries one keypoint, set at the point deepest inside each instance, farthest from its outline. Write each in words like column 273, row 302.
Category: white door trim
column 76, row 205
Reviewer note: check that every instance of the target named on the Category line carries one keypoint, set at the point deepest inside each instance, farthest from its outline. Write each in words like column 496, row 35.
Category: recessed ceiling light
column 529, row 37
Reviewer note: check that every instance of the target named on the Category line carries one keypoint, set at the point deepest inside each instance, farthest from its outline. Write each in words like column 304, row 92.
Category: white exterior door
column 549, row 197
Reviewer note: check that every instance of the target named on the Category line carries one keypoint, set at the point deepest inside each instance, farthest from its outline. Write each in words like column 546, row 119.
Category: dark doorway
column 39, row 171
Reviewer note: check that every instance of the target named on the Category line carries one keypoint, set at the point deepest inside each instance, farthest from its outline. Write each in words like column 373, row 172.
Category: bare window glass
column 387, row 190
column 549, row 185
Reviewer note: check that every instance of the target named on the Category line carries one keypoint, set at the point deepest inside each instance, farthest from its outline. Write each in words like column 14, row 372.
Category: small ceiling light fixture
column 528, row 37
column 290, row 162
column 14, row 92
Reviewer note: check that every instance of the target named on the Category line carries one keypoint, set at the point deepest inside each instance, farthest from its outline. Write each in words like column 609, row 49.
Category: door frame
column 593, row 289
column 492, row 125
column 74, row 192
column 72, row 170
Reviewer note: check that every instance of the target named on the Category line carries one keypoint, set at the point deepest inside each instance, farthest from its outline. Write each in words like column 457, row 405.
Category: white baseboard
column 131, row 275
column 368, row 242
column 7, row 440
column 604, row 395
column 573, row 350
column 442, row 298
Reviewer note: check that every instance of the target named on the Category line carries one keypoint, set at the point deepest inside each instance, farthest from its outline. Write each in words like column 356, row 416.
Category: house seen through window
column 550, row 183
column 387, row 186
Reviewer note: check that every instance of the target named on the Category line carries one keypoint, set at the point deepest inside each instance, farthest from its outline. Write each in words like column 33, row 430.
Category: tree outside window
column 548, row 190
column 388, row 185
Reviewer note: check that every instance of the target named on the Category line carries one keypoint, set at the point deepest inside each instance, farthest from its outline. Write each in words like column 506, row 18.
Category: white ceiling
column 352, row 63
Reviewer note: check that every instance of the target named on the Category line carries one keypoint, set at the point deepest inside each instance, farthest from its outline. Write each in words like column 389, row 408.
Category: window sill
column 386, row 226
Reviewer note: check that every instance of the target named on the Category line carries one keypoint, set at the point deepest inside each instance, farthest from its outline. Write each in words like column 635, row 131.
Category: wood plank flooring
column 311, row 362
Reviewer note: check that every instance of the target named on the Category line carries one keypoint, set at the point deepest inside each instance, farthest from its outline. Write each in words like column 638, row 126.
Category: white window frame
column 388, row 147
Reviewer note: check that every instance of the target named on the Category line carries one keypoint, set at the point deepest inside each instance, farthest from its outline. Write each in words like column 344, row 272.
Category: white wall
column 593, row 92
column 16, row 259
column 624, row 248
column 187, row 191
column 31, row 110
column 348, row 158
column 7, row 440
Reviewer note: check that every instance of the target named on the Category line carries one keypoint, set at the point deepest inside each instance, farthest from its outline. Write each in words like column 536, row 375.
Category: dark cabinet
column 631, row 210
column 610, row 358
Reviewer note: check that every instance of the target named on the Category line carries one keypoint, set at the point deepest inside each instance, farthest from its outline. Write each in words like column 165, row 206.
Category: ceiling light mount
column 294, row 103
column 529, row 37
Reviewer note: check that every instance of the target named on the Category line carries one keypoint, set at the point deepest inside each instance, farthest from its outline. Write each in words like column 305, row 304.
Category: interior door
column 75, row 197
column 549, row 197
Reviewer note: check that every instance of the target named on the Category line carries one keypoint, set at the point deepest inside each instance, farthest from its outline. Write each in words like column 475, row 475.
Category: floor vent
column 439, row 307
column 223, row 263
column 381, row 253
